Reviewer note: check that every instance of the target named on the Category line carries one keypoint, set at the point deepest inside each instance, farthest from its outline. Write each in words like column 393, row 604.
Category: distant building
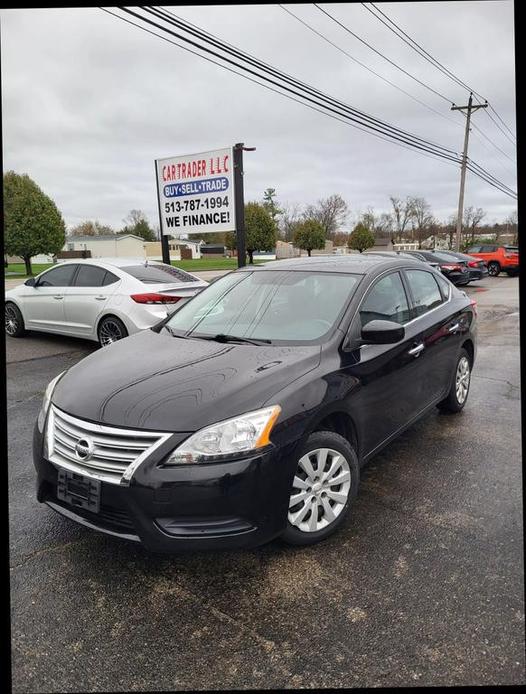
column 107, row 245
column 154, row 251
column 382, row 243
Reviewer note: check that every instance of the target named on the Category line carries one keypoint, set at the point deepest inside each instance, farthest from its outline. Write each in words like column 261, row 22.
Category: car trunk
column 184, row 290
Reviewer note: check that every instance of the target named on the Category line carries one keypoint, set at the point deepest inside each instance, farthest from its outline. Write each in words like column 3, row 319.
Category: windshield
column 275, row 305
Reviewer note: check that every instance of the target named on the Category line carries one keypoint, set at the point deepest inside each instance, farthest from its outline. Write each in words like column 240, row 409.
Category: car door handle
column 58, row 297
column 101, row 298
column 454, row 328
column 415, row 351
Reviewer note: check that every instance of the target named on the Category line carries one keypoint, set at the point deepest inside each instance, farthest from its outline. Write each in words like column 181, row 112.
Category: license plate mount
column 78, row 491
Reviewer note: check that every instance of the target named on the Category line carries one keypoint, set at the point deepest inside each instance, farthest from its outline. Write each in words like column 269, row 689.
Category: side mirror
column 30, row 282
column 382, row 332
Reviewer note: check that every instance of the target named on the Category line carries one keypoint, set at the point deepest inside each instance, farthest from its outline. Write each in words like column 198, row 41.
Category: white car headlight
column 46, row 401
column 235, row 436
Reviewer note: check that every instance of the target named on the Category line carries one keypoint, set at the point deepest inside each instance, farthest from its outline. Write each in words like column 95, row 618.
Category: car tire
column 14, row 320
column 111, row 329
column 459, row 391
column 315, row 493
column 494, row 268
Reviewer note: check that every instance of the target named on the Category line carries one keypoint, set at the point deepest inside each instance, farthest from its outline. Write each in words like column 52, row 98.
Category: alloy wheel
column 110, row 331
column 11, row 320
column 462, row 379
column 320, row 489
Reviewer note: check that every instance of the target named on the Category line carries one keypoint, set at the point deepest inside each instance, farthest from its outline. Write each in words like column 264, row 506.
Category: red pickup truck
column 497, row 257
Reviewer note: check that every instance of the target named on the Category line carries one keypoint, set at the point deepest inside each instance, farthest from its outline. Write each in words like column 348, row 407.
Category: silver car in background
column 102, row 299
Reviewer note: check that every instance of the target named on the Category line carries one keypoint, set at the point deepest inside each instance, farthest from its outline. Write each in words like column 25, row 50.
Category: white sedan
column 104, row 299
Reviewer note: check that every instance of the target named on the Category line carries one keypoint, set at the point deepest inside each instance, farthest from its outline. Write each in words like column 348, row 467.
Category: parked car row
column 462, row 268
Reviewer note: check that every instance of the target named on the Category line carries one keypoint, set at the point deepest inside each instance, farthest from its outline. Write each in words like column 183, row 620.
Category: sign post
column 165, row 246
column 240, row 205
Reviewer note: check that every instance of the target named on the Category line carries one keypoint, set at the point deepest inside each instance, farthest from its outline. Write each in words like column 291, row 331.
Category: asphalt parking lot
column 422, row 586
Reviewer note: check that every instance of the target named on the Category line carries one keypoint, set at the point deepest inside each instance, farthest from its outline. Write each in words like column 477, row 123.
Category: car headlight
column 46, row 401
column 233, row 437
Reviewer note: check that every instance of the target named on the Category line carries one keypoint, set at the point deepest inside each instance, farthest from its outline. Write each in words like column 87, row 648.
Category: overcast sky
column 88, row 103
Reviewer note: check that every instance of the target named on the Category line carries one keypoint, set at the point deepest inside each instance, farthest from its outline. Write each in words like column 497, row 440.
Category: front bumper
column 225, row 505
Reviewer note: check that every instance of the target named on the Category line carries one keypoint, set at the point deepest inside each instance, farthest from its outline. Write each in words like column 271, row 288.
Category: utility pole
column 469, row 108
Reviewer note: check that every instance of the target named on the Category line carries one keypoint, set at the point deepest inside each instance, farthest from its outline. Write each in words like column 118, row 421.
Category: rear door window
column 474, row 249
column 386, row 300
column 90, row 276
column 425, row 291
column 158, row 274
column 488, row 249
column 57, row 277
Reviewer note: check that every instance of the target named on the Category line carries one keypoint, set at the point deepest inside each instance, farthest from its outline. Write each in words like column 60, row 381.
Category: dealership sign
column 196, row 193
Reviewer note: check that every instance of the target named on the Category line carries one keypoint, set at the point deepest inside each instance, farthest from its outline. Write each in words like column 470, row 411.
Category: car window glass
column 425, row 291
column 109, row 278
column 474, row 249
column 386, row 301
column 271, row 305
column 90, row 276
column 57, row 277
column 158, row 274
column 444, row 286
column 488, row 249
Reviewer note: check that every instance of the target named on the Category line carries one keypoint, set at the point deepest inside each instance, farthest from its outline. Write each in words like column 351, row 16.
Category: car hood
column 155, row 381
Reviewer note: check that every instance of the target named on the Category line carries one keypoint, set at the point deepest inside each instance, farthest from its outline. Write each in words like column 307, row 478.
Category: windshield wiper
column 222, row 337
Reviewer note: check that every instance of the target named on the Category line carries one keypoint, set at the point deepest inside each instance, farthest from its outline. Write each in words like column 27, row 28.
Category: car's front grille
column 104, row 452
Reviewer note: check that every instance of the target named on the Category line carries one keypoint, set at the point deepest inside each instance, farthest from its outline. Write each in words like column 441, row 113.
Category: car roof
column 355, row 263
column 116, row 262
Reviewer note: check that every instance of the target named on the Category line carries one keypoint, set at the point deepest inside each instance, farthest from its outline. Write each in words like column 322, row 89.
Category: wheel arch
column 470, row 349
column 339, row 421
column 110, row 314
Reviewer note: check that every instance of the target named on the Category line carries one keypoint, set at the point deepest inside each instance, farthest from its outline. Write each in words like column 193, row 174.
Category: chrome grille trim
column 117, row 453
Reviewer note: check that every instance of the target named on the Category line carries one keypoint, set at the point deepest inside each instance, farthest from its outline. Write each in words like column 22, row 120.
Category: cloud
column 89, row 102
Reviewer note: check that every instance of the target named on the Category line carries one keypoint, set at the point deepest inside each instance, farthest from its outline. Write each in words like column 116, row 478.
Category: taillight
column 474, row 306
column 456, row 268
column 511, row 254
column 474, row 263
column 152, row 298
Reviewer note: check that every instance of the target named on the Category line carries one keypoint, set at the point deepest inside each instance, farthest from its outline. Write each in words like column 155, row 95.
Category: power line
column 356, row 115
column 511, row 139
column 423, row 84
column 398, row 31
column 503, row 123
column 414, row 45
column 276, row 91
column 182, row 22
column 395, row 135
column 411, row 96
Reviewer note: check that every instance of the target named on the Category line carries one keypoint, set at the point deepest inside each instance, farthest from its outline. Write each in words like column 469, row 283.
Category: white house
column 108, row 245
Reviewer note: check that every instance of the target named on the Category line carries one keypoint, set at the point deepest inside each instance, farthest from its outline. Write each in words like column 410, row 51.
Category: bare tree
column 379, row 225
column 90, row 228
column 512, row 225
column 401, row 216
column 289, row 218
column 421, row 218
column 331, row 212
column 472, row 218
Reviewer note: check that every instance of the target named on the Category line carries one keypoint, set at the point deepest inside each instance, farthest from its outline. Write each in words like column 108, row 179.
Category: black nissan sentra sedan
column 247, row 414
